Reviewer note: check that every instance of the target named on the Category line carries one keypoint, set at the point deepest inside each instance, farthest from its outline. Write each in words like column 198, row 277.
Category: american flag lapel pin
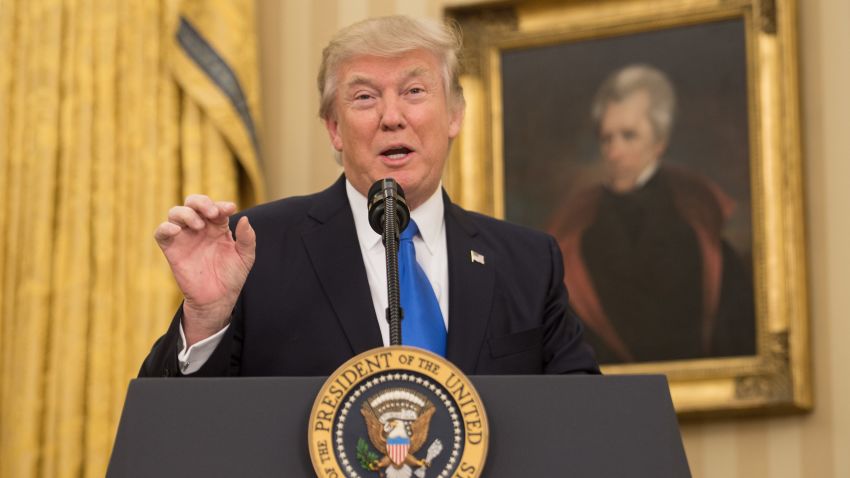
column 476, row 257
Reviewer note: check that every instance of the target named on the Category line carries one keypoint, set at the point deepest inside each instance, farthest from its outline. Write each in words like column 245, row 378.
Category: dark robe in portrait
column 651, row 275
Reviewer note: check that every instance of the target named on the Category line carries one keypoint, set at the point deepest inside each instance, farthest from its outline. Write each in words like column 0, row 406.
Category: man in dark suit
column 315, row 296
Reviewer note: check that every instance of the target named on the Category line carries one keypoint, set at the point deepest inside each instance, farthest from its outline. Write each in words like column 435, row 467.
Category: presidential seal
column 398, row 412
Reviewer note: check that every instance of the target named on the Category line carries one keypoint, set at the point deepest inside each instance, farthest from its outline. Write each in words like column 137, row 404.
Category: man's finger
column 226, row 207
column 224, row 210
column 185, row 217
column 165, row 232
column 203, row 205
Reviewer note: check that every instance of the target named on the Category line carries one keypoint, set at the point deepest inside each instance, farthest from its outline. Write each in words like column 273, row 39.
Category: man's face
column 391, row 119
column 628, row 141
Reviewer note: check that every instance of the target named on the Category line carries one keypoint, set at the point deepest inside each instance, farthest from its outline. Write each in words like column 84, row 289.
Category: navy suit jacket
column 306, row 306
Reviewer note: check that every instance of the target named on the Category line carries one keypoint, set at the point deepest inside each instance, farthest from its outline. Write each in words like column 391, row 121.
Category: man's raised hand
column 210, row 267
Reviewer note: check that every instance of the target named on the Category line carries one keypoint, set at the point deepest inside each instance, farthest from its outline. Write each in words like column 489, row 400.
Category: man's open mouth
column 397, row 152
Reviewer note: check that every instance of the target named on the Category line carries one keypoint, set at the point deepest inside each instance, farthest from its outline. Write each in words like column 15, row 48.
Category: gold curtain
column 110, row 113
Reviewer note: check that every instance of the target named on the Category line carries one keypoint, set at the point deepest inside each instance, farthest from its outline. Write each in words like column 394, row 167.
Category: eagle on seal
column 397, row 421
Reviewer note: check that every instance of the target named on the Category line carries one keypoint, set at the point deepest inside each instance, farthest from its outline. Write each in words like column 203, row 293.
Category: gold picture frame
column 776, row 376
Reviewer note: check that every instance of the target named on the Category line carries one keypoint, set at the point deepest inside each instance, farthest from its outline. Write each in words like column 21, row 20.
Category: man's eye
column 416, row 90
column 362, row 96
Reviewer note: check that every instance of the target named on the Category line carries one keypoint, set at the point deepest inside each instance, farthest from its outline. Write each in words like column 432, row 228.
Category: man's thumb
column 246, row 241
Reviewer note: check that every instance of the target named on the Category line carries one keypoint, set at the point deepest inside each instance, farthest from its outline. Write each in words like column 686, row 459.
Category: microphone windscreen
column 377, row 198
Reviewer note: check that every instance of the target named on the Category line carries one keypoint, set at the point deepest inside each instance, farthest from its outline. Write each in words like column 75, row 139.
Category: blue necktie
column 423, row 324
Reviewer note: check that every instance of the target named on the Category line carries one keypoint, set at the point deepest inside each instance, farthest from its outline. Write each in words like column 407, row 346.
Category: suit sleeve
column 224, row 361
column 564, row 348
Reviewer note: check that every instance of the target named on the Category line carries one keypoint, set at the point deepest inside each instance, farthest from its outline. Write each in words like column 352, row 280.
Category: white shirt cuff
column 191, row 359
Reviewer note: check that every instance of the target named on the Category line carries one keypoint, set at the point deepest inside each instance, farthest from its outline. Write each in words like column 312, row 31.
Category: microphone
column 389, row 216
column 384, row 193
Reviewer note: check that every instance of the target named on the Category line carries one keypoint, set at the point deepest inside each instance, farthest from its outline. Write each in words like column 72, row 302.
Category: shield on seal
column 397, row 449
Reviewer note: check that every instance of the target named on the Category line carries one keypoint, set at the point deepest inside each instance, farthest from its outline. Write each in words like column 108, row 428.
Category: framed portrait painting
column 658, row 142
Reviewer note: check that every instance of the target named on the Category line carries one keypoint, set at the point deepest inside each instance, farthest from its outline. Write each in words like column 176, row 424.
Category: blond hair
column 391, row 37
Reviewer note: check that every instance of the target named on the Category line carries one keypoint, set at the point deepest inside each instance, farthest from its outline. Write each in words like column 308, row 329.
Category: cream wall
column 299, row 160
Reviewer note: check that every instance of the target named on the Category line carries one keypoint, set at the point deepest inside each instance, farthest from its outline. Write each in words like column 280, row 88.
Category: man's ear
column 332, row 125
column 456, row 120
column 659, row 148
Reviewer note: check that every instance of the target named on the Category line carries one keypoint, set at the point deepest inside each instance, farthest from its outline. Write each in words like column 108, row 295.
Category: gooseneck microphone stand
column 389, row 216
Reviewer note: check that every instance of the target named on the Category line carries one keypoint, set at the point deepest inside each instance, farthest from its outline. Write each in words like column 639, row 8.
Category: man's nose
column 614, row 149
column 392, row 116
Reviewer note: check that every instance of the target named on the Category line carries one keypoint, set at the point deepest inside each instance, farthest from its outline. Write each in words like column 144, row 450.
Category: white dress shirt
column 431, row 254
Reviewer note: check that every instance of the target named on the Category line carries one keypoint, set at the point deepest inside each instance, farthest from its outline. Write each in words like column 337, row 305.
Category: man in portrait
column 648, row 268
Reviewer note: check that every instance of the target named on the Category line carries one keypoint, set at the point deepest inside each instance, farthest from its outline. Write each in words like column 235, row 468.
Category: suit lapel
column 335, row 254
column 470, row 288
column 332, row 245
